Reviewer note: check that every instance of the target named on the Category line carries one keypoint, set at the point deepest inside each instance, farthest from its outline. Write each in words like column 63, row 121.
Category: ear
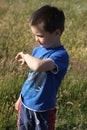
column 58, row 32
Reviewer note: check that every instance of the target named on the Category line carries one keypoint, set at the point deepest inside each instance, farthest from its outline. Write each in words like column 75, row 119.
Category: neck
column 56, row 44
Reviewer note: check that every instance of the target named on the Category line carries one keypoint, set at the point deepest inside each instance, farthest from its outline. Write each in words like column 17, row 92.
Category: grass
column 15, row 36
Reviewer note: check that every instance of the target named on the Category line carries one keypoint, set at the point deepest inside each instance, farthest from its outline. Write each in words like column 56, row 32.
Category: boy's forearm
column 34, row 63
column 37, row 64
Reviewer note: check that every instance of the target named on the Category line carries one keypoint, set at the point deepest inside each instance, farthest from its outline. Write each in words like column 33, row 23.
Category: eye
column 41, row 36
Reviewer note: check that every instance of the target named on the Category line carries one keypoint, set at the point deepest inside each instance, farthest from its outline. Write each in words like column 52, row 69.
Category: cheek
column 42, row 40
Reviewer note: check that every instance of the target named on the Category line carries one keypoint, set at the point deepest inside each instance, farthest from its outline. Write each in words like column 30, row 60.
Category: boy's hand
column 20, row 58
column 17, row 104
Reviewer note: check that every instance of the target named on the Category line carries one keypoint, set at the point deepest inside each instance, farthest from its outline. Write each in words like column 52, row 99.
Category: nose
column 36, row 38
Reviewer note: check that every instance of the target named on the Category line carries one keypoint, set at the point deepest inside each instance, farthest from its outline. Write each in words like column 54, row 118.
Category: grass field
column 15, row 36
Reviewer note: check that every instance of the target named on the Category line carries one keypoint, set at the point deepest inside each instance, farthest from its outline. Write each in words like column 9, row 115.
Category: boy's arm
column 36, row 64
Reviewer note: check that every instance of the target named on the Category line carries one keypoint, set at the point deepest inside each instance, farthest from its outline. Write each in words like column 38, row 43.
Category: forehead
column 37, row 30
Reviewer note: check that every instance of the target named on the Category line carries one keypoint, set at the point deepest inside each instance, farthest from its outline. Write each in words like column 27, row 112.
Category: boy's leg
column 26, row 119
column 45, row 120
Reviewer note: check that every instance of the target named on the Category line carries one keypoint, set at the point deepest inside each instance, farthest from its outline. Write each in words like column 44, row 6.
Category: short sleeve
column 61, row 60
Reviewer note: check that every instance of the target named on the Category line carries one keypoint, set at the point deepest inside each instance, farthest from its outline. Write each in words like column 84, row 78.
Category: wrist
column 24, row 56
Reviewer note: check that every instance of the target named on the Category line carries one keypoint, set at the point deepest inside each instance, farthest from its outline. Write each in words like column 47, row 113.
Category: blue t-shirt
column 40, row 88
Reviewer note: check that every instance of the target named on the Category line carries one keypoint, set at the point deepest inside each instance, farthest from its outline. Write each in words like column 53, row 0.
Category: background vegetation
column 15, row 36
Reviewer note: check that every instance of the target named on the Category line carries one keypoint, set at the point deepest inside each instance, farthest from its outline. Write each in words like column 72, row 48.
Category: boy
column 48, row 64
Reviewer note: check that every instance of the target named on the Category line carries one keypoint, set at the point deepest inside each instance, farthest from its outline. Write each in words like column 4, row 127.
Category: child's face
column 45, row 39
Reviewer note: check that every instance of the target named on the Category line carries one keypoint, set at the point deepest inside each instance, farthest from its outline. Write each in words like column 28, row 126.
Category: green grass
column 15, row 36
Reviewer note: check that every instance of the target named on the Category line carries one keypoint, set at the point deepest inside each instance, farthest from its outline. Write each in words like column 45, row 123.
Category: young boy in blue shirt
column 48, row 65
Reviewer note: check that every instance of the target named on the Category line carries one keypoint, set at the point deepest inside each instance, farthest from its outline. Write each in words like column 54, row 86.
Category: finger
column 16, row 107
column 19, row 56
column 22, row 61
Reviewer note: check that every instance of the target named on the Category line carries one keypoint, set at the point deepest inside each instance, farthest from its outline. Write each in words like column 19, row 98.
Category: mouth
column 40, row 43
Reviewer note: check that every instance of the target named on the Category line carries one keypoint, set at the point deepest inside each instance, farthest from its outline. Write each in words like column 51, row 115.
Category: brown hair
column 51, row 17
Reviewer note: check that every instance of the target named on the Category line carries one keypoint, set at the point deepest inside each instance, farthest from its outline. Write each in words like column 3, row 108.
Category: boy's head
column 48, row 19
